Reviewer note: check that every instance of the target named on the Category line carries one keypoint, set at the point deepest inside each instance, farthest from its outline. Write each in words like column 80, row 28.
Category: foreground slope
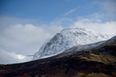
column 93, row 60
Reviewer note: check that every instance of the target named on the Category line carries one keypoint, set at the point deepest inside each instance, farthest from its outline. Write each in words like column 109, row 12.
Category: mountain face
column 91, row 60
column 68, row 38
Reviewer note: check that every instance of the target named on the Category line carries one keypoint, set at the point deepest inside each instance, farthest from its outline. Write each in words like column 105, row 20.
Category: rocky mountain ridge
column 68, row 38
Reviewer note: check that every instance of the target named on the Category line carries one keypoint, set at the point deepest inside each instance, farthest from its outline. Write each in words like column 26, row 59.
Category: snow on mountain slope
column 68, row 38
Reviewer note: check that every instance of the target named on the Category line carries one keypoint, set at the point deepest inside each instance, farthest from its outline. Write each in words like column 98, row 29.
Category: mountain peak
column 68, row 38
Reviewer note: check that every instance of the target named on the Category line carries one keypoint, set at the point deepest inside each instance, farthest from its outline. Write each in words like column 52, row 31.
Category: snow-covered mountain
column 68, row 38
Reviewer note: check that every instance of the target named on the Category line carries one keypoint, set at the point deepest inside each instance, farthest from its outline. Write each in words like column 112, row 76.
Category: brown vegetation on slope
column 106, row 59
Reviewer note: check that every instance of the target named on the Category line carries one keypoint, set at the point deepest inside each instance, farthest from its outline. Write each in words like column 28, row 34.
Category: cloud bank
column 27, row 38
column 101, row 27
column 21, row 39
column 12, row 57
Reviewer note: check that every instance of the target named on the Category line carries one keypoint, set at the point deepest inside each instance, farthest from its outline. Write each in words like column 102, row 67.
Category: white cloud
column 70, row 11
column 18, row 39
column 107, row 27
column 12, row 57
column 26, row 38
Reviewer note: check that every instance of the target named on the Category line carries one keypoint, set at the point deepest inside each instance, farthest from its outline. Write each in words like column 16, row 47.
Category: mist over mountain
column 11, row 58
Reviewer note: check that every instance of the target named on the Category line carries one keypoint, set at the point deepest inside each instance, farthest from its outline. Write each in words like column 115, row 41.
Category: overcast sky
column 26, row 24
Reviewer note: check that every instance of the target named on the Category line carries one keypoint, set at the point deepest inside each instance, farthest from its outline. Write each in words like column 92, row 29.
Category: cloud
column 97, row 25
column 6, row 21
column 12, row 57
column 70, row 11
column 26, row 38
column 19, row 40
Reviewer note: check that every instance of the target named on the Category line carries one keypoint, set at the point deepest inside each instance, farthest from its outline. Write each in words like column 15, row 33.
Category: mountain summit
column 68, row 38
